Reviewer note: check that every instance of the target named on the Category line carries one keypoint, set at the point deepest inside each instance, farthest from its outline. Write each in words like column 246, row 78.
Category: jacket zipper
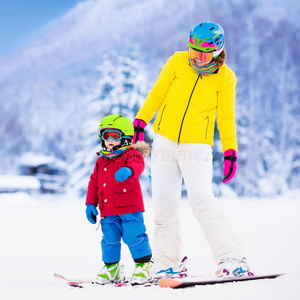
column 161, row 117
column 187, row 109
column 207, row 118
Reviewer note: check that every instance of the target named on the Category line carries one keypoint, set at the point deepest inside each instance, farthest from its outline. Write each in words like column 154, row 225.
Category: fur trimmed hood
column 142, row 147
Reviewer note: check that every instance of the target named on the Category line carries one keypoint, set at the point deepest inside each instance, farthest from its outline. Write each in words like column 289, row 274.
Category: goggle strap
column 217, row 53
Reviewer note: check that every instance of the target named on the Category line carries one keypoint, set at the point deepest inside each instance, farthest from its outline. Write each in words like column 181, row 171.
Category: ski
column 176, row 284
column 77, row 283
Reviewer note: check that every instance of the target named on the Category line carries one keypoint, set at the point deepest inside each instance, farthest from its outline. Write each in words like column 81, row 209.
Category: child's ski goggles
column 203, row 56
column 111, row 134
column 116, row 135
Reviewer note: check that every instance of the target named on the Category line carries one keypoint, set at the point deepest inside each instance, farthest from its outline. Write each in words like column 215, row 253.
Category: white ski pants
column 170, row 162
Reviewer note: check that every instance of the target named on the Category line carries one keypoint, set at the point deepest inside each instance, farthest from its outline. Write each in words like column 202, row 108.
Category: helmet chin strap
column 124, row 142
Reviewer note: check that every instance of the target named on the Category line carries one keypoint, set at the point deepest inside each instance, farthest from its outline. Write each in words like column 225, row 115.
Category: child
column 115, row 188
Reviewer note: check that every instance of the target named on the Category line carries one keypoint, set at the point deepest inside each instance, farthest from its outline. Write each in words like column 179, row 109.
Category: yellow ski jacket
column 188, row 104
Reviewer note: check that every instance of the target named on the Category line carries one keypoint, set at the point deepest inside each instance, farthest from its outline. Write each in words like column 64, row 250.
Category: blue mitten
column 91, row 213
column 123, row 173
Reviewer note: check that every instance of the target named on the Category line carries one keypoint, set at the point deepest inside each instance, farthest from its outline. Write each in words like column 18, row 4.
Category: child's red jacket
column 113, row 197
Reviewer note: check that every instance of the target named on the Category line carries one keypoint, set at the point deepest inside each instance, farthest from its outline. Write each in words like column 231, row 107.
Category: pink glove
column 230, row 164
column 139, row 126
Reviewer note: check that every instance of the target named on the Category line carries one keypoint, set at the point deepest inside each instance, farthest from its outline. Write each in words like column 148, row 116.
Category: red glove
column 139, row 126
column 230, row 164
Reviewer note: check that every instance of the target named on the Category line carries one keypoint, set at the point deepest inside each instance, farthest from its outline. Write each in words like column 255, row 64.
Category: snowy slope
column 46, row 234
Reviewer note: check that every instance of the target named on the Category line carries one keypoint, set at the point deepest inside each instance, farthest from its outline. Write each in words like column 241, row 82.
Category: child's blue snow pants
column 132, row 229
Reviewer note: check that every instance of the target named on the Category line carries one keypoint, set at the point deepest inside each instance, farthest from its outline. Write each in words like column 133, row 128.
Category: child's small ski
column 77, row 283
column 176, row 284
column 56, row 275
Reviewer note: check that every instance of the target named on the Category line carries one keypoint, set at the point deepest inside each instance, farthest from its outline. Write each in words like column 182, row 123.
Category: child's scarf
column 111, row 154
column 209, row 68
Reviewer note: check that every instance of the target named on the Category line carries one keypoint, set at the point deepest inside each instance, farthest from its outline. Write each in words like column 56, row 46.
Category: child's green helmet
column 118, row 122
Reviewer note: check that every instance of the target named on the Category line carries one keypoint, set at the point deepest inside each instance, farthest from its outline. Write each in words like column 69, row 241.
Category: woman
column 194, row 88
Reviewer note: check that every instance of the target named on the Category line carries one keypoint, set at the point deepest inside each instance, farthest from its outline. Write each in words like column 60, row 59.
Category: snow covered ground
column 43, row 234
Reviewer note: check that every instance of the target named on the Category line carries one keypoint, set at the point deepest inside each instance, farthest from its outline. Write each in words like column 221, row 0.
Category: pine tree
column 121, row 89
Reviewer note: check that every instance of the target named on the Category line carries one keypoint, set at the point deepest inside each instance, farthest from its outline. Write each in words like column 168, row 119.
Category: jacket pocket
column 161, row 116
column 124, row 195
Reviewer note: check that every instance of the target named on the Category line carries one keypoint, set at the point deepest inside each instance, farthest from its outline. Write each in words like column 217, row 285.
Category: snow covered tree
column 121, row 89
column 267, row 103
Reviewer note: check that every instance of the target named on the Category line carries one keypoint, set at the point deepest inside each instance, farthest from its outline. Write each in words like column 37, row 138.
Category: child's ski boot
column 110, row 273
column 141, row 274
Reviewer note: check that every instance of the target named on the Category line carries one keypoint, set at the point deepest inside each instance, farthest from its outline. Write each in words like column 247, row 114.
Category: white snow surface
column 43, row 234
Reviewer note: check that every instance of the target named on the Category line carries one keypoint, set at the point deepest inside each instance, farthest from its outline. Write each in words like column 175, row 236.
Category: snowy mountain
column 55, row 90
